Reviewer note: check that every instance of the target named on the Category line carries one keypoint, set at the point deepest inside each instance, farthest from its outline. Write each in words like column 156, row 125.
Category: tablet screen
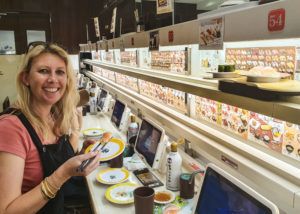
column 147, row 141
column 118, row 113
column 101, row 99
column 220, row 195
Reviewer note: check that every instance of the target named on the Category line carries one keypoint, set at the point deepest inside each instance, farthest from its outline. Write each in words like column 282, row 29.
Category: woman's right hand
column 69, row 168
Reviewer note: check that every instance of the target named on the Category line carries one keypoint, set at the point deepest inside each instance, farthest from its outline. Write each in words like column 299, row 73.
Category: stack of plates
column 262, row 79
column 224, row 74
column 93, row 133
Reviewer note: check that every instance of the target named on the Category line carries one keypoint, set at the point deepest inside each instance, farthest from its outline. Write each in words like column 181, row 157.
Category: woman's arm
column 11, row 177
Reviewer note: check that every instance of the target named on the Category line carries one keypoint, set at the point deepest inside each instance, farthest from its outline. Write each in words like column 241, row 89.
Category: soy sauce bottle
column 174, row 163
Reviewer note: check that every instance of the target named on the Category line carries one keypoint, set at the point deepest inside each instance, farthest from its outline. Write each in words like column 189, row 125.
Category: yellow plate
column 93, row 132
column 113, row 148
column 112, row 175
column 121, row 193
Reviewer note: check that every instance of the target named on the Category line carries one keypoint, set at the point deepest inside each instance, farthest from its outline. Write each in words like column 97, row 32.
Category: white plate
column 121, row 193
column 224, row 74
column 169, row 193
column 112, row 175
column 262, row 79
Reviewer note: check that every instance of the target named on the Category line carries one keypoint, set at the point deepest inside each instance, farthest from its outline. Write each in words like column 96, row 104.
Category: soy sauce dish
column 164, row 197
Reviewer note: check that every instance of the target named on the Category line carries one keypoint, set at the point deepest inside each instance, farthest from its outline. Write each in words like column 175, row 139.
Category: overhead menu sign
column 113, row 21
column 211, row 33
column 97, row 29
column 164, row 6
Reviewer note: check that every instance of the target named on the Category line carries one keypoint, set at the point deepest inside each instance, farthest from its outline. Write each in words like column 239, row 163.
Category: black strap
column 34, row 136
column 48, row 160
column 52, row 156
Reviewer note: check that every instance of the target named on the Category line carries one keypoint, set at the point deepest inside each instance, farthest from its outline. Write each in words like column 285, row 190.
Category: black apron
column 52, row 156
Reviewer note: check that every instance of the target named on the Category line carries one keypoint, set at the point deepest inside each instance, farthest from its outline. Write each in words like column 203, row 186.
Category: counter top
column 97, row 190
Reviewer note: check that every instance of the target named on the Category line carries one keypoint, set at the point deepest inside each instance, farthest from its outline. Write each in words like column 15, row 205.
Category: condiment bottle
column 93, row 99
column 174, row 163
column 133, row 129
column 132, row 132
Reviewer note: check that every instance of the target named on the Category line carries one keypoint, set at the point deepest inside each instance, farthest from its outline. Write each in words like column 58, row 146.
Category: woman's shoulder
column 12, row 126
column 8, row 120
column 14, row 137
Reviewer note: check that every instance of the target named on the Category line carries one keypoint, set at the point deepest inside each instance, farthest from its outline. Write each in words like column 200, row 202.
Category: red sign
column 171, row 36
column 132, row 41
column 276, row 20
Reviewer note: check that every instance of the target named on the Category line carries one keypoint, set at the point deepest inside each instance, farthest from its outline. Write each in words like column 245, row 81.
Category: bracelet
column 51, row 185
column 45, row 190
column 54, row 178
column 44, row 194
column 52, row 194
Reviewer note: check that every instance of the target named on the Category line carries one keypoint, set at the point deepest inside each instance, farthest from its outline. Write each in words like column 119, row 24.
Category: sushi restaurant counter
column 97, row 190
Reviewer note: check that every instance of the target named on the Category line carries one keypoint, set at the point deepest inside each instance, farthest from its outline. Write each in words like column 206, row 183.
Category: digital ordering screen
column 101, row 99
column 117, row 113
column 147, row 141
column 221, row 196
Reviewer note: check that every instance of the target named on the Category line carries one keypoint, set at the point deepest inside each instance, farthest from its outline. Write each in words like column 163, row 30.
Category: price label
column 276, row 20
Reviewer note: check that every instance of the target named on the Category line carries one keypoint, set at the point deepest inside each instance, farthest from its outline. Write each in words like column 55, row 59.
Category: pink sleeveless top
column 15, row 139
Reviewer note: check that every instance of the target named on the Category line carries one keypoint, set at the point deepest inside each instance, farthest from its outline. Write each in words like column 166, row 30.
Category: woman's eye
column 60, row 72
column 43, row 71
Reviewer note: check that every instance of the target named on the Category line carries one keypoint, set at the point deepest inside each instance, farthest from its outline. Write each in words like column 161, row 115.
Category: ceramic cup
column 144, row 200
column 117, row 162
column 187, row 186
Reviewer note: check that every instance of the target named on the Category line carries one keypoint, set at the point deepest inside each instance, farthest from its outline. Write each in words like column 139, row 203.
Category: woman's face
column 47, row 79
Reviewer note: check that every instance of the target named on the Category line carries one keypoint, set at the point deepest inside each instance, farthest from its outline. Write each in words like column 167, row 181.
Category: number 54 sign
column 276, row 20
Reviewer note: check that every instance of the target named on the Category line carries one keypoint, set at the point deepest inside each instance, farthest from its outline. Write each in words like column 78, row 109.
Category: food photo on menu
column 162, row 3
column 235, row 119
column 211, row 33
column 207, row 109
column 291, row 140
column 266, row 131
column 270, row 60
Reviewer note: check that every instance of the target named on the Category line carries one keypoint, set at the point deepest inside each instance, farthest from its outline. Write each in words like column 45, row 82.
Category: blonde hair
column 62, row 111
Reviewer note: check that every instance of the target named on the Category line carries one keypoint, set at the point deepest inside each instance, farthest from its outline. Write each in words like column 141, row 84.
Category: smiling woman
column 46, row 71
column 34, row 135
